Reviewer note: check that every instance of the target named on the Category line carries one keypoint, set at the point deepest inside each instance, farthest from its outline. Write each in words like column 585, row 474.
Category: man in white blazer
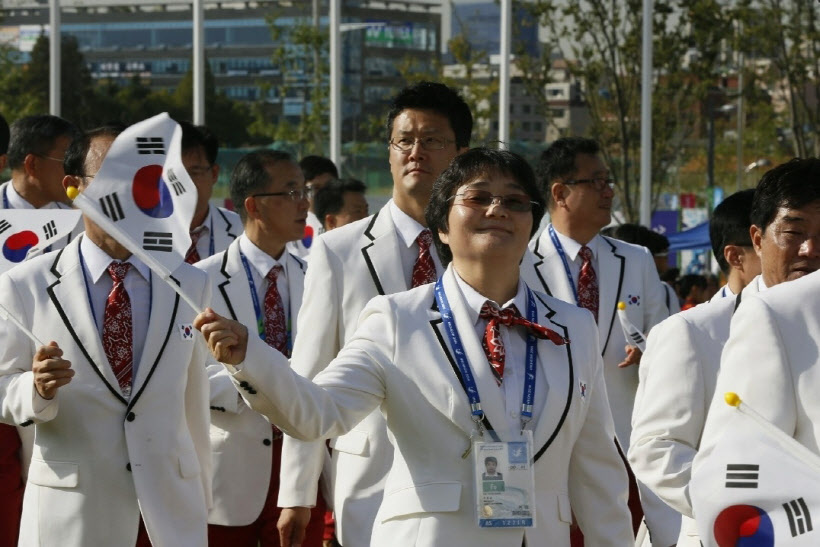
column 404, row 359
column 212, row 228
column 680, row 367
column 731, row 243
column 428, row 125
column 269, row 188
column 318, row 171
column 579, row 194
column 116, row 462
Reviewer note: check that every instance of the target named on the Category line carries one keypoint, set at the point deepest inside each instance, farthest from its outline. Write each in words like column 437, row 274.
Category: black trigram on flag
column 50, row 230
column 157, row 241
column 742, row 475
column 799, row 517
column 4, row 225
column 179, row 189
column 150, row 145
column 637, row 337
column 110, row 205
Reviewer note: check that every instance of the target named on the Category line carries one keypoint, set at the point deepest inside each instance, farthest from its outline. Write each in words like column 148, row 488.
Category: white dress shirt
column 572, row 248
column 16, row 201
column 261, row 263
column 515, row 343
column 205, row 232
column 99, row 285
column 409, row 229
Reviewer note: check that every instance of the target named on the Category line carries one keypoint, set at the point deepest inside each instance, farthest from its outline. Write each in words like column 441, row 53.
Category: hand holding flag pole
column 634, row 336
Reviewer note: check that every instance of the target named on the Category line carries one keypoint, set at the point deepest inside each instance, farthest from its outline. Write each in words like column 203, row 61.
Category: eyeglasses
column 599, row 183
column 406, row 144
column 482, row 199
column 61, row 160
column 294, row 195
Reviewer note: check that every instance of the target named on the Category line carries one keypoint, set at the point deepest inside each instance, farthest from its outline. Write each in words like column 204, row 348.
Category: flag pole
column 4, row 314
column 633, row 335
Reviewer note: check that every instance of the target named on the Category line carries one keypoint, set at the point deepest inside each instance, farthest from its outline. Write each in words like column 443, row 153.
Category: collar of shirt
column 16, row 201
column 406, row 226
column 97, row 261
column 205, row 227
column 475, row 300
column 761, row 285
column 261, row 261
column 572, row 247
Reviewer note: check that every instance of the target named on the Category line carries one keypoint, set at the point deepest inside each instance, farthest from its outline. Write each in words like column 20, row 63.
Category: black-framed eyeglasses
column 52, row 158
column 482, row 199
column 406, row 144
column 294, row 195
column 599, row 183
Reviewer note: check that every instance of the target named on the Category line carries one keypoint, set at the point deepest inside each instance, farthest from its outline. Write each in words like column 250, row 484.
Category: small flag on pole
column 26, row 232
column 633, row 335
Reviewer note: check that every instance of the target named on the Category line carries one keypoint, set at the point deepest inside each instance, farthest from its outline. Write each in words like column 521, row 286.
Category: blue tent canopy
column 693, row 238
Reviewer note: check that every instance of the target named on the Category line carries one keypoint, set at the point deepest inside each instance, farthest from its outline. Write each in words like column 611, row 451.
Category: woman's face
column 492, row 232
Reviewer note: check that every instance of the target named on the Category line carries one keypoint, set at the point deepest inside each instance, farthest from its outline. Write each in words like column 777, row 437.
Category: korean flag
column 142, row 196
column 757, row 486
column 28, row 232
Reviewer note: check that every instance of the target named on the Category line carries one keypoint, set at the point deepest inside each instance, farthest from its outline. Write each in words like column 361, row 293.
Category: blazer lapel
column 380, row 251
column 550, row 275
column 223, row 224
column 296, row 287
column 610, row 281
column 234, row 288
column 70, row 298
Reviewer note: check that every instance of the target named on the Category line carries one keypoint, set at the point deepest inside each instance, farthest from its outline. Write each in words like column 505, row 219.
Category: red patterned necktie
column 118, row 335
column 424, row 270
column 492, row 342
column 588, row 283
column 192, row 256
column 276, row 332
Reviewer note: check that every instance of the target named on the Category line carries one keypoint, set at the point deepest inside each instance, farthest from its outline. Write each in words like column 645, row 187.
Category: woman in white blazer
column 484, row 209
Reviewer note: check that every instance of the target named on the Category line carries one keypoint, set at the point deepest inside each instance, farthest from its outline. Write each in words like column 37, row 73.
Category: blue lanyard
column 528, row 398
column 6, row 204
column 211, row 244
column 563, row 255
column 257, row 308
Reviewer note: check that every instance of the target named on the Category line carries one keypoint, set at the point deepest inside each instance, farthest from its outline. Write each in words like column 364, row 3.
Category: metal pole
column 54, row 58
column 199, row 62
column 446, row 25
column 335, row 83
column 739, row 180
column 710, row 151
column 504, row 74
column 646, row 116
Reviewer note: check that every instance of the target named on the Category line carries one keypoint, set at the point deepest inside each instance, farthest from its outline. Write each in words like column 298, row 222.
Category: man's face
column 790, row 246
column 203, row 174
column 48, row 169
column 414, row 171
column 281, row 217
column 491, row 467
column 354, row 208
column 583, row 202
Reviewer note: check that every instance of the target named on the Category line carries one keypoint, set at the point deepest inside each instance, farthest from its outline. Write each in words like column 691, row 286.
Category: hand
column 51, row 372
column 292, row 524
column 227, row 339
column 633, row 357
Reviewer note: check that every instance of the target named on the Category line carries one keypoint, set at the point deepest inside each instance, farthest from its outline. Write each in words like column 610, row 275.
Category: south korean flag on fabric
column 28, row 232
column 142, row 195
column 756, row 487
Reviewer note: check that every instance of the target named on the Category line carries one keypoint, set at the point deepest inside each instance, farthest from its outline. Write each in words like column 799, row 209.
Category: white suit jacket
column 241, row 457
column 677, row 382
column 400, row 360
column 100, row 460
column 227, row 227
column 348, row 267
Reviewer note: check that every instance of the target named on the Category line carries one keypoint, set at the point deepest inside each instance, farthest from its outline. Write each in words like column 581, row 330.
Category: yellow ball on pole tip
column 621, row 306
column 72, row 192
column 732, row 399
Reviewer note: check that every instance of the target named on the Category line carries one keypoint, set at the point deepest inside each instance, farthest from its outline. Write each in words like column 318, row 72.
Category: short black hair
column 75, row 154
column 793, row 184
column 251, row 176
column 313, row 166
column 639, row 235
column 688, row 281
column 466, row 167
column 37, row 135
column 730, row 224
column 558, row 160
column 199, row 136
column 4, row 135
column 331, row 199
column 440, row 99
column 490, row 459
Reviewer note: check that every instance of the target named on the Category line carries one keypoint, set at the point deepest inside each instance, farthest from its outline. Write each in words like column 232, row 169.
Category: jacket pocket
column 188, row 465
column 355, row 441
column 564, row 509
column 54, row 474
column 433, row 497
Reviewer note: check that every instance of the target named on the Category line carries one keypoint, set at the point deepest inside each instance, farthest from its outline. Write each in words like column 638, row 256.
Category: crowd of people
column 441, row 372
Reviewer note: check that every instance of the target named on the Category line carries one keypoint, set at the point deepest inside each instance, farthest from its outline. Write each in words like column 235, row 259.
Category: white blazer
column 240, row 437
column 400, row 360
column 227, row 227
column 100, row 460
column 677, row 382
column 348, row 267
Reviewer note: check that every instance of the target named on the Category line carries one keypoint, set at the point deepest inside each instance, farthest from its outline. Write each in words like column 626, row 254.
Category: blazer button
column 266, row 442
column 252, row 391
column 131, row 417
column 128, row 466
column 243, row 383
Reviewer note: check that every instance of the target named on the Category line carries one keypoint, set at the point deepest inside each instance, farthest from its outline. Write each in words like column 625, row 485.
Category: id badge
column 504, row 483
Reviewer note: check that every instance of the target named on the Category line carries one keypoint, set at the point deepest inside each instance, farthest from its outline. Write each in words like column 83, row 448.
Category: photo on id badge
column 504, row 484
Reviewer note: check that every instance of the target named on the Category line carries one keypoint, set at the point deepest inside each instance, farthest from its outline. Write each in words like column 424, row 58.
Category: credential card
column 504, row 483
